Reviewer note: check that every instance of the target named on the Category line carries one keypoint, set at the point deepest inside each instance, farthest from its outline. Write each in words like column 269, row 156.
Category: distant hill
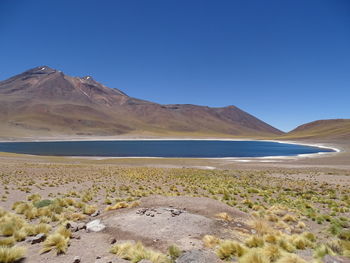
column 330, row 129
column 45, row 102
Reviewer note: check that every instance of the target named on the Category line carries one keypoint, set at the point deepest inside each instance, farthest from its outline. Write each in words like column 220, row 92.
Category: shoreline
column 238, row 159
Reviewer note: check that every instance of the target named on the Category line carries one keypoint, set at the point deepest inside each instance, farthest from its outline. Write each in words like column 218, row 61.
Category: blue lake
column 164, row 148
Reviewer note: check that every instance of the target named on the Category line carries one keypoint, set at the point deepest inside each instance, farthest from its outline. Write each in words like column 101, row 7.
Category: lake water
column 164, row 148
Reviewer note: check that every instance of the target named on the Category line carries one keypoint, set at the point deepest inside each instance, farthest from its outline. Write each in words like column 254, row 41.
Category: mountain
column 45, row 102
column 330, row 129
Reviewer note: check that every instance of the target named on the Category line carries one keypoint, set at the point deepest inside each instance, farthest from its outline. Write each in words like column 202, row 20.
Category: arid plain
column 293, row 209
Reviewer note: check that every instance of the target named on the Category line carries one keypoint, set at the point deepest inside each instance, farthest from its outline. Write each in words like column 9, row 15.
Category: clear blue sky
column 286, row 62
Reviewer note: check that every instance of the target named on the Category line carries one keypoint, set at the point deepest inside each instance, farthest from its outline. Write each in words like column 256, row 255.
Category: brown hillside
column 330, row 129
column 45, row 102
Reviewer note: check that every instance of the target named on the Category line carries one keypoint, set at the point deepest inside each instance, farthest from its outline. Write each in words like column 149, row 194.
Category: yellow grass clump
column 224, row 216
column 229, row 248
column 118, row 205
column 261, row 226
column 137, row 252
column 290, row 258
column 42, row 228
column 89, row 209
column 254, row 255
column 62, row 230
column 7, row 242
column 11, row 254
column 55, row 241
column 210, row 241
column 272, row 252
column 254, row 241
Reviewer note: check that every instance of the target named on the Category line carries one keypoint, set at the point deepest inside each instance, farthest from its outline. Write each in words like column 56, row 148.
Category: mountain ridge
column 44, row 100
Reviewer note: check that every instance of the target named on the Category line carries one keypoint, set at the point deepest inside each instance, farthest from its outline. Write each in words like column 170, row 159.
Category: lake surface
column 164, row 148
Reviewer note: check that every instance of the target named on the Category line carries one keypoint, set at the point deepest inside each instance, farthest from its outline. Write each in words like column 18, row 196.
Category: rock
column 113, row 241
column 72, row 226
column 198, row 256
column 175, row 212
column 96, row 213
column 81, row 226
column 37, row 239
column 95, row 226
column 335, row 259
column 142, row 211
column 77, row 259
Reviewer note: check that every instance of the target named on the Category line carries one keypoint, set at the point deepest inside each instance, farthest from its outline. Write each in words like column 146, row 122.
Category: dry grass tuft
column 89, row 209
column 224, row 216
column 261, row 226
column 210, row 241
column 137, row 252
column 55, row 241
column 42, row 228
column 118, row 205
column 254, row 255
column 272, row 252
column 11, row 254
column 228, row 249
column 7, row 242
column 290, row 258
column 254, row 241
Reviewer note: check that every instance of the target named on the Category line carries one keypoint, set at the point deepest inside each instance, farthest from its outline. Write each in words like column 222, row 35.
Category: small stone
column 113, row 241
column 81, row 226
column 98, row 212
column 77, row 259
column 72, row 226
column 142, row 211
column 176, row 212
column 37, row 239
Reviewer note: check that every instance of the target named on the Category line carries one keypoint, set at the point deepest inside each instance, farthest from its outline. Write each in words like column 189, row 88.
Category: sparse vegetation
column 286, row 215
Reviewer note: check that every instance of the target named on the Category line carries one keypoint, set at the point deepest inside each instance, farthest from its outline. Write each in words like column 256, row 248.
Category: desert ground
column 251, row 210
